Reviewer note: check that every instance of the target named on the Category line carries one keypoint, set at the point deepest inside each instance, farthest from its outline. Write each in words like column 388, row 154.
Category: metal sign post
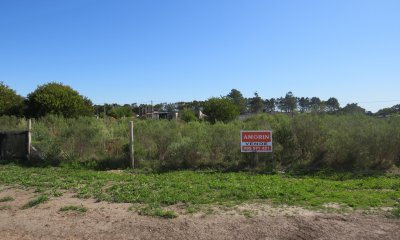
column 256, row 141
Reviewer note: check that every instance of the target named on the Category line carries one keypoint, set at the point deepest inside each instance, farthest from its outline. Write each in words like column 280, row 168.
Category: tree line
column 59, row 99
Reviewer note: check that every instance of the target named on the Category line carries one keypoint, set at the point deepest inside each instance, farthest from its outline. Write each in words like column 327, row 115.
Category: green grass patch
column 209, row 188
column 396, row 211
column 36, row 201
column 156, row 211
column 80, row 209
column 6, row 199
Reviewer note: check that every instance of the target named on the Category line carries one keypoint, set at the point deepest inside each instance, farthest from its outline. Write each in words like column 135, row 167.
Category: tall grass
column 304, row 141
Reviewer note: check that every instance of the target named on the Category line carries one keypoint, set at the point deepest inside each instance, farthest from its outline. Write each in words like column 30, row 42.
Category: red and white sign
column 256, row 141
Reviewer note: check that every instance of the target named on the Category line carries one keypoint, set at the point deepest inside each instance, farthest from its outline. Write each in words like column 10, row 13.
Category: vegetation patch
column 80, row 209
column 301, row 142
column 203, row 188
column 396, row 211
column 6, row 199
column 36, row 201
column 156, row 211
column 5, row 208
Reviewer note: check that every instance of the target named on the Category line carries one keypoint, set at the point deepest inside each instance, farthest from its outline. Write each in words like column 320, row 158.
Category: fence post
column 29, row 138
column 131, row 144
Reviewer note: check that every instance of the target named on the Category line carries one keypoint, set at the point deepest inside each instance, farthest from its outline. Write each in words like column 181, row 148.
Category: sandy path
column 114, row 221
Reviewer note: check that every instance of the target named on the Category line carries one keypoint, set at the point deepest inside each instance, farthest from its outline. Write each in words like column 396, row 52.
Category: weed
column 396, row 211
column 56, row 193
column 191, row 209
column 248, row 213
column 156, row 211
column 6, row 199
column 36, row 201
column 80, row 209
column 5, row 207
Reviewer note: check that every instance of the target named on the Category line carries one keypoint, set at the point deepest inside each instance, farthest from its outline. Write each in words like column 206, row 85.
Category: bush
column 187, row 115
column 220, row 109
column 10, row 102
column 58, row 99
column 302, row 142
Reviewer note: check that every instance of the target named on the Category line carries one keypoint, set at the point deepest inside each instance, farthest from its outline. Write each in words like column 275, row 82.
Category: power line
column 381, row 101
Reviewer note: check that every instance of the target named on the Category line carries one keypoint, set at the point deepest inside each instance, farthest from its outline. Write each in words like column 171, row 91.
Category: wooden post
column 131, row 144
column 29, row 138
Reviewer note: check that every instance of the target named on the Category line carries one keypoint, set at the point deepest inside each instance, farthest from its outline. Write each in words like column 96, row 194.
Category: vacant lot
column 62, row 203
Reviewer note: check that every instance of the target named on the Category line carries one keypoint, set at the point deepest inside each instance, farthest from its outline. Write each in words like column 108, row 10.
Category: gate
column 15, row 145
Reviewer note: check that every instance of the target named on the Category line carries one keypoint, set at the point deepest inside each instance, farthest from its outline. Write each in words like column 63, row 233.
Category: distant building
column 148, row 112
column 200, row 115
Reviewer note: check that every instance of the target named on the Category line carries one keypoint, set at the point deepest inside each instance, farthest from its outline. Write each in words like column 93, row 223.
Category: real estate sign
column 256, row 141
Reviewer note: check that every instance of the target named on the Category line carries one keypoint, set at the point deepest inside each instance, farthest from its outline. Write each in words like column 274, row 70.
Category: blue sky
column 128, row 51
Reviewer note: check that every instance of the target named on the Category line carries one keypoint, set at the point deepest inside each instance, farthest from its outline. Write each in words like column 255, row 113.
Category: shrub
column 187, row 115
column 302, row 142
column 220, row 109
column 10, row 102
column 58, row 99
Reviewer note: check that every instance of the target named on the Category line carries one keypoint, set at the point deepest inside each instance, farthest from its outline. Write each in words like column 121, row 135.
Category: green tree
column 316, row 104
column 256, row 104
column 220, row 109
column 187, row 115
column 290, row 102
column 270, row 105
column 121, row 111
column 56, row 98
column 332, row 105
column 389, row 111
column 237, row 98
column 10, row 102
column 304, row 104
column 353, row 108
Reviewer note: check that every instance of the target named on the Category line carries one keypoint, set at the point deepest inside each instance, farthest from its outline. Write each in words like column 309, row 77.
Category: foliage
column 256, row 104
column 304, row 104
column 199, row 188
column 36, row 201
column 80, row 209
column 56, row 98
column 187, row 115
column 332, row 105
column 389, row 111
column 6, row 199
column 270, row 105
column 352, row 108
column 121, row 111
column 316, row 105
column 237, row 98
column 304, row 142
column 154, row 210
column 396, row 211
column 12, row 123
column 220, row 109
column 10, row 102
column 289, row 103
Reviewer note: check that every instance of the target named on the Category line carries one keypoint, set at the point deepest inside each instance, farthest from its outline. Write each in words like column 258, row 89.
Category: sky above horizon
column 167, row 51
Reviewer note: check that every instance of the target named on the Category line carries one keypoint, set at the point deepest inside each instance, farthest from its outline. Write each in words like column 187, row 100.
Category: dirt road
column 114, row 221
